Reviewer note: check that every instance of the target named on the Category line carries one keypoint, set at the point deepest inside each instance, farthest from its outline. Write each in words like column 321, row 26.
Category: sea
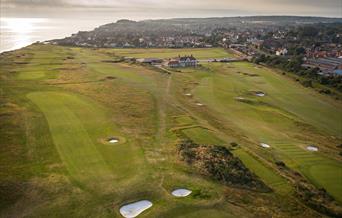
column 21, row 28
column 16, row 33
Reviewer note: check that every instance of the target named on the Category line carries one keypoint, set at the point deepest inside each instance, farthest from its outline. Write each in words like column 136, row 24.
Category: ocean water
column 20, row 28
column 16, row 33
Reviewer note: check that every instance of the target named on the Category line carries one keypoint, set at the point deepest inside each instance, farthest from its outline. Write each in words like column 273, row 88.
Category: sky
column 144, row 9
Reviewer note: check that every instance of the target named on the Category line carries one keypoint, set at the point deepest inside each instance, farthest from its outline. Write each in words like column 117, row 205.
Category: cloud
column 283, row 7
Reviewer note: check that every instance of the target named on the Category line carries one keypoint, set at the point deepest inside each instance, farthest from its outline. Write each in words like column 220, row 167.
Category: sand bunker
column 264, row 145
column 312, row 148
column 134, row 209
column 199, row 104
column 188, row 94
column 260, row 94
column 181, row 192
column 113, row 140
column 239, row 98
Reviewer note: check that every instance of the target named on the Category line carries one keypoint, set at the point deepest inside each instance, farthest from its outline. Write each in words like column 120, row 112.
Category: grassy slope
column 77, row 127
column 87, row 176
column 277, row 119
column 61, row 118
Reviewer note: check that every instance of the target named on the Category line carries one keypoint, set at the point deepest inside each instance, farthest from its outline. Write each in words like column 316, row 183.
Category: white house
column 281, row 52
column 185, row 61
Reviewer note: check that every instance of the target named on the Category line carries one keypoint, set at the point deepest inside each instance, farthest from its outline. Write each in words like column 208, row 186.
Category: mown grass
column 79, row 130
column 203, row 136
column 66, row 164
column 275, row 181
column 199, row 53
column 289, row 116
column 60, row 105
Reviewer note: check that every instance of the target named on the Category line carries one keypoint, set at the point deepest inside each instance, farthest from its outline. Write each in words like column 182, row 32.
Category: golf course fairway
column 85, row 132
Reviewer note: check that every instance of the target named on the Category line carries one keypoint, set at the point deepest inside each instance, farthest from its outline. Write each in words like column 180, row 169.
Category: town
column 308, row 47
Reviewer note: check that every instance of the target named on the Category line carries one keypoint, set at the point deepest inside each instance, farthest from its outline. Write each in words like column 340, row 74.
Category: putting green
column 43, row 63
column 327, row 175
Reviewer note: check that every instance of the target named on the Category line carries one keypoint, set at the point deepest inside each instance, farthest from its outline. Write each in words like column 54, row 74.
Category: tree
column 299, row 51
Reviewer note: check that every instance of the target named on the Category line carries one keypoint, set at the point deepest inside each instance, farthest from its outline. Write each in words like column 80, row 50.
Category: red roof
column 173, row 62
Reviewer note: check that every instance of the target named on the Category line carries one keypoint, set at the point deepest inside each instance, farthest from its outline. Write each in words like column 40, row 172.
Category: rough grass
column 57, row 108
column 288, row 117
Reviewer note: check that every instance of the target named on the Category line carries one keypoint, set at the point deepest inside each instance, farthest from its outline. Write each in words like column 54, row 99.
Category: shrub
column 234, row 144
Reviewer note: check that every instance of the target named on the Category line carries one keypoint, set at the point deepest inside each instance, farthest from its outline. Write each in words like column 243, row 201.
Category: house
column 184, row 61
column 325, row 65
column 281, row 52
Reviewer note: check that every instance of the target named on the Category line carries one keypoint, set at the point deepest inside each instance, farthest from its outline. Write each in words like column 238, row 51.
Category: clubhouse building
column 184, row 61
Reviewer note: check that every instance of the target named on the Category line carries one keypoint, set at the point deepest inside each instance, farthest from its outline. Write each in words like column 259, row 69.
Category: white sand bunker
column 188, row 94
column 312, row 148
column 264, row 145
column 113, row 140
column 260, row 94
column 199, row 104
column 239, row 98
column 181, row 192
column 134, row 209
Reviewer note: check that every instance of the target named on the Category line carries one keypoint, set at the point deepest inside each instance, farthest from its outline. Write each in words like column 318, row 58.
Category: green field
column 199, row 53
column 202, row 136
column 60, row 105
column 77, row 127
column 288, row 118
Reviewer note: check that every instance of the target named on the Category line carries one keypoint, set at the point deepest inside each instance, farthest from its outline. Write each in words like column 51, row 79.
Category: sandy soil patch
column 264, row 145
column 181, row 192
column 134, row 209
column 113, row 140
column 311, row 148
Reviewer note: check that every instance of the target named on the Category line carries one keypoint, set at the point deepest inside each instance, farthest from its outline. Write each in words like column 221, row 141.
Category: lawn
column 60, row 105
column 203, row 136
column 275, row 181
column 288, row 117
column 78, row 127
column 199, row 53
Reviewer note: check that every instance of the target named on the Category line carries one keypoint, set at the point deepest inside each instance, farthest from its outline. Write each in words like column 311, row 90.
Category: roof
column 338, row 72
column 149, row 60
column 173, row 62
column 185, row 58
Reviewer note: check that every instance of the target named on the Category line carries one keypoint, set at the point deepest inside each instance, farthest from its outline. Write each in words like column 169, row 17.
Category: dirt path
column 162, row 104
